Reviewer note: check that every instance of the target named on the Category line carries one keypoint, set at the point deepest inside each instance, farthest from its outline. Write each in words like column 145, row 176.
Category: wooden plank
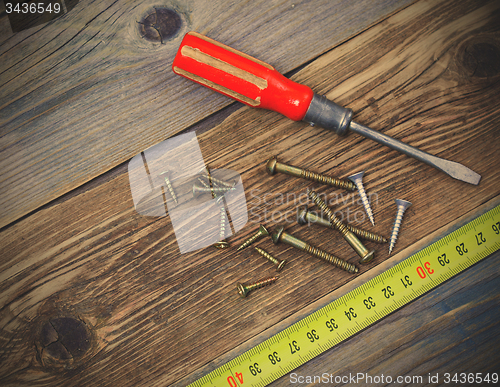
column 453, row 330
column 155, row 315
column 87, row 92
column 482, row 275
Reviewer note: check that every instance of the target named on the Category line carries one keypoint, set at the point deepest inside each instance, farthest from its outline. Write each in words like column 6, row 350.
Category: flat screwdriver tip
column 451, row 168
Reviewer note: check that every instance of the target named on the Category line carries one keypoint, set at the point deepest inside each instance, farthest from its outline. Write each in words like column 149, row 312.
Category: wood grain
column 452, row 330
column 156, row 315
column 349, row 355
column 84, row 93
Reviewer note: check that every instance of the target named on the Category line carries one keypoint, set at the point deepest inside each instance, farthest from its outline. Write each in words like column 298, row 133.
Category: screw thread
column 269, row 257
column 217, row 181
column 340, row 263
column 250, row 240
column 222, row 182
column 266, row 255
column 395, row 229
column 222, row 244
column 207, row 186
column 203, row 183
column 336, row 223
column 328, row 180
column 222, row 233
column 367, row 234
column 261, row 283
column 214, row 189
column 352, row 239
column 171, row 189
column 364, row 200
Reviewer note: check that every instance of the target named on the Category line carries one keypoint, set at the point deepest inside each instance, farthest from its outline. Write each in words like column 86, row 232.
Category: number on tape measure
column 361, row 307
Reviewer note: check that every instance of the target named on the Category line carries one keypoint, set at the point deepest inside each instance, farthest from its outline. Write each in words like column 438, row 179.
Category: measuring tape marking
column 400, row 286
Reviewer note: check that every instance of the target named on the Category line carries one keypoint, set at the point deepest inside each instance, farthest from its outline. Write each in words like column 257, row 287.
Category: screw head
column 263, row 230
column 221, row 245
column 242, row 291
column 402, row 203
column 271, row 165
column 356, row 177
column 301, row 215
column 281, row 265
column 368, row 257
column 277, row 234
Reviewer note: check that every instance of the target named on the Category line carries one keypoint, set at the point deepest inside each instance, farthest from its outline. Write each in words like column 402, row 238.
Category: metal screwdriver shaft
column 257, row 84
column 451, row 168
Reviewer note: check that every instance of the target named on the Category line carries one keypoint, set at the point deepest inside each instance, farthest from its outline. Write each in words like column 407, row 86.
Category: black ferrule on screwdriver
column 328, row 115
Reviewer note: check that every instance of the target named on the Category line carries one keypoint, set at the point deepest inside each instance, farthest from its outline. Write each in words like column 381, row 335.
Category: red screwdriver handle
column 240, row 76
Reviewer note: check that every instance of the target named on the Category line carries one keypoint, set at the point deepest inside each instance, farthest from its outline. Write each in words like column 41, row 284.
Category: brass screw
column 243, row 289
column 260, row 233
column 274, row 166
column 205, row 172
column 279, row 264
column 280, row 235
column 402, row 206
column 305, row 216
column 217, row 182
column 357, row 179
column 198, row 189
column 222, row 244
column 209, row 177
column 169, row 185
column 204, row 184
column 366, row 256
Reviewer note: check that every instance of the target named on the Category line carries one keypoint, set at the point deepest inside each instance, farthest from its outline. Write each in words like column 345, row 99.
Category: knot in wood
column 160, row 25
column 481, row 59
column 64, row 339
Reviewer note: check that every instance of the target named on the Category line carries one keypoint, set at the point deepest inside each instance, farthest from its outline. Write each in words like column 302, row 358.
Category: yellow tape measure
column 361, row 307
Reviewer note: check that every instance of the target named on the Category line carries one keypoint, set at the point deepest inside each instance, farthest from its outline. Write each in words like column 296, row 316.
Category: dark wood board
column 86, row 92
column 155, row 315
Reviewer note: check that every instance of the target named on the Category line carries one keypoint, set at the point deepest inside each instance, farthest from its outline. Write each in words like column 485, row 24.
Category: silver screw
column 402, row 206
column 357, row 179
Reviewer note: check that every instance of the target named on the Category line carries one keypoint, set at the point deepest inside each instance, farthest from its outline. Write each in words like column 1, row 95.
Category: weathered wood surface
column 451, row 329
column 155, row 315
column 85, row 93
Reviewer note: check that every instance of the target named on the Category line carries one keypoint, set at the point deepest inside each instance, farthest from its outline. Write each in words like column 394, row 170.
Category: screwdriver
column 257, row 84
